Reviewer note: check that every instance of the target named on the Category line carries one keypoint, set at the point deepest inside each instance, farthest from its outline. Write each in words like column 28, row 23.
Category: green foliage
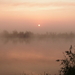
column 68, row 63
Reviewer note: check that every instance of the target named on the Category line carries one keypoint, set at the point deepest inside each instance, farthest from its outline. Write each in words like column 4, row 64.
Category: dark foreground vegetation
column 68, row 63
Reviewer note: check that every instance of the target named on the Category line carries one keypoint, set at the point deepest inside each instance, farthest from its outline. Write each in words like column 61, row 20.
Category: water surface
column 32, row 56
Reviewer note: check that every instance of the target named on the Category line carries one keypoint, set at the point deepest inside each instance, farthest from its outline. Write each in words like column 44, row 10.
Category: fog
column 29, row 49
column 27, row 18
column 32, row 26
column 33, row 55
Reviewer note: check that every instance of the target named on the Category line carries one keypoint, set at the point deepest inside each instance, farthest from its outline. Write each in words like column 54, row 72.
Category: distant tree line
column 29, row 34
column 16, row 34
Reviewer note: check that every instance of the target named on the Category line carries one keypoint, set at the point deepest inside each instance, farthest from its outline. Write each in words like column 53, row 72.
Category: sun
column 39, row 25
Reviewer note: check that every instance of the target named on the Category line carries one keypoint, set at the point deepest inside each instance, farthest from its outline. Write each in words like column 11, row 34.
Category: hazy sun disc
column 39, row 25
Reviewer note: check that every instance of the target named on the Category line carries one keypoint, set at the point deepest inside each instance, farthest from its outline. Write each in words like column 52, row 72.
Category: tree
column 68, row 63
column 21, row 34
column 5, row 34
column 15, row 34
column 28, row 34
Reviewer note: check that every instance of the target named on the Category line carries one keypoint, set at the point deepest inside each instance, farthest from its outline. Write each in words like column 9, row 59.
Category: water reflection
column 31, row 56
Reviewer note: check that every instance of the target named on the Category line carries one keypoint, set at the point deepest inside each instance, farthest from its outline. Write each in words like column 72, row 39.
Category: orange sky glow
column 46, row 13
column 36, row 54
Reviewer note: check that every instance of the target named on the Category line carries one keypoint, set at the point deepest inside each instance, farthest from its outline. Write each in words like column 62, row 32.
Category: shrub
column 68, row 63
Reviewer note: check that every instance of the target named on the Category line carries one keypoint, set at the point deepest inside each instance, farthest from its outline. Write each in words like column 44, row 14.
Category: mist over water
column 29, row 49
column 32, row 55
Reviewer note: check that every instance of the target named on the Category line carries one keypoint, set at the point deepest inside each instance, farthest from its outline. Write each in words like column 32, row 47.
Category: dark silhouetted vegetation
column 29, row 34
column 16, row 34
column 68, row 63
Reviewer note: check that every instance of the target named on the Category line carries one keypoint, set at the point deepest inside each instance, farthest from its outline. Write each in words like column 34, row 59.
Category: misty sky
column 25, row 15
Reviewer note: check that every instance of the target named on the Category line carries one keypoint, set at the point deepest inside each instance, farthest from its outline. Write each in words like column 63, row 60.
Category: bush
column 68, row 63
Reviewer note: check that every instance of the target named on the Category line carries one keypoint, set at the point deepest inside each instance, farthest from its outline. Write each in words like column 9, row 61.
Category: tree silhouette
column 5, row 34
column 14, row 34
column 68, row 63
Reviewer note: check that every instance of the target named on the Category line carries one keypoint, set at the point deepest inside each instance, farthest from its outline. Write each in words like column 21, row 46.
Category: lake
column 32, row 56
